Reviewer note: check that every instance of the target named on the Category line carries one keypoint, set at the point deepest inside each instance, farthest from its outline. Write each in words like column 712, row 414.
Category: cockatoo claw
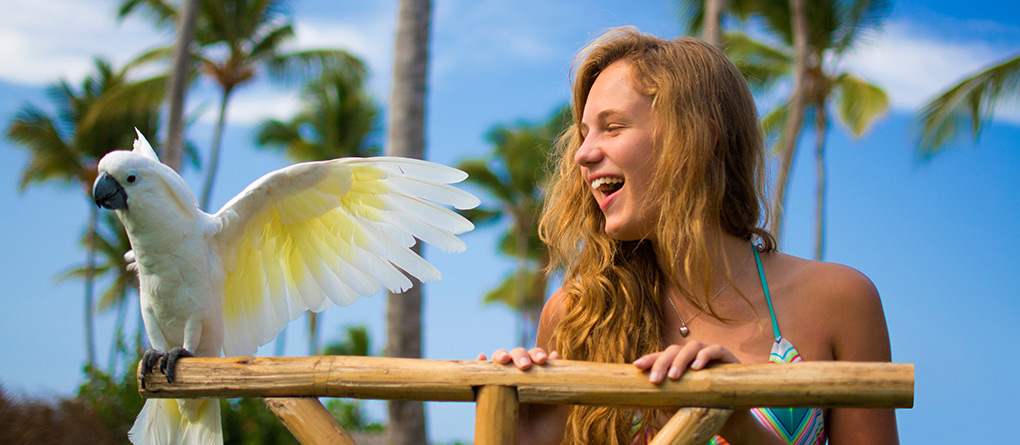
column 167, row 366
column 149, row 360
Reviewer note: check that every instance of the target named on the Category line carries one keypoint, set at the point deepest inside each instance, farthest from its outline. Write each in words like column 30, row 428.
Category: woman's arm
column 859, row 333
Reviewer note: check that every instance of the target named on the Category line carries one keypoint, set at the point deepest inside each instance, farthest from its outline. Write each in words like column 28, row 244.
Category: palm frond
column 973, row 99
column 760, row 63
column 857, row 20
column 772, row 124
column 51, row 157
column 302, row 66
column 860, row 103
column 480, row 174
column 507, row 293
column 692, row 12
column 161, row 13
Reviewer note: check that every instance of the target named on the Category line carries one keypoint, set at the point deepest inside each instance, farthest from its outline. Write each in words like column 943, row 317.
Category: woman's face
column 616, row 156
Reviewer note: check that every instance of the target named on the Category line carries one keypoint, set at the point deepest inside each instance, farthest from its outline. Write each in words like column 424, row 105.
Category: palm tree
column 406, row 137
column 794, row 119
column 237, row 38
column 833, row 29
column 66, row 147
column 973, row 98
column 179, row 75
column 514, row 174
column 110, row 241
column 337, row 119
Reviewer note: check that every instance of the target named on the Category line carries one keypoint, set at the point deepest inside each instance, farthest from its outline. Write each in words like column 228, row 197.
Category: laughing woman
column 656, row 214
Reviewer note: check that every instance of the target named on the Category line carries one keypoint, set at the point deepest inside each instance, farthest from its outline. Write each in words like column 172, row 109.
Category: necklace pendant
column 684, row 330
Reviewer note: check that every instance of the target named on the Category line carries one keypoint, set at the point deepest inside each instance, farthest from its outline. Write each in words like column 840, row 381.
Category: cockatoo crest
column 143, row 148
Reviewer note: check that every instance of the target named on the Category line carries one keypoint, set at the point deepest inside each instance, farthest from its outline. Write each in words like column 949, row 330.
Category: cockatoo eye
column 131, row 179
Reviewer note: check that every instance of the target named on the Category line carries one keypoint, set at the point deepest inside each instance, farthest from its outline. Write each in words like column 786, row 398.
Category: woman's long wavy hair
column 710, row 154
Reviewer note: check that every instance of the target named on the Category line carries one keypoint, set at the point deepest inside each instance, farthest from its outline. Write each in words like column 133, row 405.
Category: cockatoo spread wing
column 317, row 233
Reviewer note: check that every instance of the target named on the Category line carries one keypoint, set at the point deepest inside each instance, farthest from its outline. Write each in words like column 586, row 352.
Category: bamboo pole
column 496, row 415
column 806, row 384
column 308, row 421
column 690, row 426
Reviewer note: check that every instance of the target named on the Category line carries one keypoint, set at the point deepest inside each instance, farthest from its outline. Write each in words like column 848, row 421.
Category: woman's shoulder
column 836, row 299
column 823, row 282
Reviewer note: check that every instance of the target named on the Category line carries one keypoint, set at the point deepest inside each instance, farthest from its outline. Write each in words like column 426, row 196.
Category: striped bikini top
column 800, row 426
column 797, row 426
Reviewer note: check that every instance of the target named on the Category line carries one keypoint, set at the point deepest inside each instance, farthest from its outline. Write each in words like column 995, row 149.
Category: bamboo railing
column 290, row 386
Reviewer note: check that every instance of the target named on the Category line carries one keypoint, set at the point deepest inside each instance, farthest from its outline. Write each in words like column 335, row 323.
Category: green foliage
column 514, row 173
column 354, row 341
column 970, row 101
column 351, row 417
column 337, row 118
column 113, row 394
column 249, row 422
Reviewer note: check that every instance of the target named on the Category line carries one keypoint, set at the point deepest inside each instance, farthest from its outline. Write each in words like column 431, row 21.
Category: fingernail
column 655, row 377
column 524, row 361
column 674, row 372
column 698, row 364
column 541, row 356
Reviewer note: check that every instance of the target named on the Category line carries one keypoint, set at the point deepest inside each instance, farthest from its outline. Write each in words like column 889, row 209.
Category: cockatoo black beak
column 108, row 193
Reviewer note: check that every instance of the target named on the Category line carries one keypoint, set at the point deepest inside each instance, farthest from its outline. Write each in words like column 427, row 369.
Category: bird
column 304, row 237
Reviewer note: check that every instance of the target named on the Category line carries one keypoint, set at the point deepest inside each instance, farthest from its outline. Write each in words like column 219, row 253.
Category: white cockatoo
column 301, row 238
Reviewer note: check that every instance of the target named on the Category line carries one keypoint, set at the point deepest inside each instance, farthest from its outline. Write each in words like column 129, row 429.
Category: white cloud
column 43, row 41
column 913, row 64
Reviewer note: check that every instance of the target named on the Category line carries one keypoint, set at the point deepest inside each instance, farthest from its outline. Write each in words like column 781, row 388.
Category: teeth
column 605, row 180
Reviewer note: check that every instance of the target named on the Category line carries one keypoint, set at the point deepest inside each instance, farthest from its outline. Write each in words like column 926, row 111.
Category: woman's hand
column 675, row 359
column 522, row 358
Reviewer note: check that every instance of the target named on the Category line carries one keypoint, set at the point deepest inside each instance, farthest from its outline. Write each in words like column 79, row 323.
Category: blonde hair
column 710, row 157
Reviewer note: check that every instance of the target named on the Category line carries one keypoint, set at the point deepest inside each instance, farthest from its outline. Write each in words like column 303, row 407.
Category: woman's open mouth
column 607, row 186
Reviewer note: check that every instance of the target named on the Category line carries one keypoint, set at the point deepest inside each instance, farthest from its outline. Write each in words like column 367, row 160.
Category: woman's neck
column 727, row 257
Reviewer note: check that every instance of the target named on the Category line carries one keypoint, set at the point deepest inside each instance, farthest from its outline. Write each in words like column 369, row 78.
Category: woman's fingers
column 522, row 358
column 675, row 359
column 714, row 353
column 501, row 356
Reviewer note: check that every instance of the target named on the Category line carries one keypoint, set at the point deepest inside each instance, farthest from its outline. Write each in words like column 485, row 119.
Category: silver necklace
column 684, row 330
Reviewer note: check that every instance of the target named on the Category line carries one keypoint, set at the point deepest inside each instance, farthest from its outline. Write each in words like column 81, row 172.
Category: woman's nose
column 589, row 152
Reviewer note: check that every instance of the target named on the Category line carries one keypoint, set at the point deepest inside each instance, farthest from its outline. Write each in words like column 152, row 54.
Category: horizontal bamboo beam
column 806, row 384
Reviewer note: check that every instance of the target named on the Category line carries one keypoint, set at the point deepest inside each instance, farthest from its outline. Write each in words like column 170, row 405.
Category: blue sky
column 936, row 237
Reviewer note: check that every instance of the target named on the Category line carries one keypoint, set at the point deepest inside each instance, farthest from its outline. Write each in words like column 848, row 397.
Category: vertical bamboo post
column 308, row 420
column 496, row 415
column 690, row 426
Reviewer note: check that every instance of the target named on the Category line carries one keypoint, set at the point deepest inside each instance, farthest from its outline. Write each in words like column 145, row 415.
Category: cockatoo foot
column 170, row 360
column 149, row 360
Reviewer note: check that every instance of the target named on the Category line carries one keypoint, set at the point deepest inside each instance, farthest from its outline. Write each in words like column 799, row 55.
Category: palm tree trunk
column 406, row 137
column 541, row 283
column 313, row 333
column 90, row 275
column 795, row 116
column 187, row 15
column 214, row 156
column 821, row 130
column 712, row 23
column 522, row 282
column 118, row 332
